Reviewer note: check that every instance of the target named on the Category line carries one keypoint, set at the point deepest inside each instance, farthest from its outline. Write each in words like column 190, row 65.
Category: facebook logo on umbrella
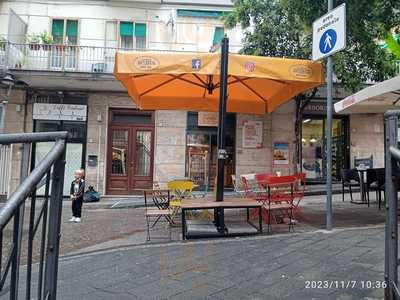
column 327, row 41
column 196, row 64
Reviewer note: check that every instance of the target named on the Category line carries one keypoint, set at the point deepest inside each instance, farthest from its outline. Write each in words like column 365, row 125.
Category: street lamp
column 8, row 82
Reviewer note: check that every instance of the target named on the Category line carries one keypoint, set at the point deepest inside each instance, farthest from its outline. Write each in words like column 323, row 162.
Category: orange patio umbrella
column 207, row 82
column 191, row 81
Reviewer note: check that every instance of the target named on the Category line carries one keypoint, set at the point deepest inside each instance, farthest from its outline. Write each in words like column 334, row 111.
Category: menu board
column 281, row 153
column 209, row 119
column 252, row 134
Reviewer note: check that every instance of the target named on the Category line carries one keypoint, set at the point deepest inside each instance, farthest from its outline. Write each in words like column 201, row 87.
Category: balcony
column 37, row 57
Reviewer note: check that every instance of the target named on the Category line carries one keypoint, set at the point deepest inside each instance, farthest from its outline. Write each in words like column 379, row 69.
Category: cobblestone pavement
column 263, row 267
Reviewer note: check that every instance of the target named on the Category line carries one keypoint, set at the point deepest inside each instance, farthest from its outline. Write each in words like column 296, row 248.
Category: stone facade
column 367, row 138
column 170, row 146
column 277, row 127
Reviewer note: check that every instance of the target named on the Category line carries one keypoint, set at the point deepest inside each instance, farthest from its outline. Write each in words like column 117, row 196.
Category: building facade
column 61, row 54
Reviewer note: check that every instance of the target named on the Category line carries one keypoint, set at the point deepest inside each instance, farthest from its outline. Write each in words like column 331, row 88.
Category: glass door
column 313, row 161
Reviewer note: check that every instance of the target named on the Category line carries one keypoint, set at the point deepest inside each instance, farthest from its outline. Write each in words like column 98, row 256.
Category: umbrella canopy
column 377, row 98
column 190, row 81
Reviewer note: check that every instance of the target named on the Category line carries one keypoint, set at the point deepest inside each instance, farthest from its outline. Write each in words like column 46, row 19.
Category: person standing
column 76, row 193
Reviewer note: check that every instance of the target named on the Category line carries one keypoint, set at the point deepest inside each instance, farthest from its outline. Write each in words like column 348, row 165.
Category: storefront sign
column 252, row 134
column 281, row 153
column 209, row 119
column 65, row 112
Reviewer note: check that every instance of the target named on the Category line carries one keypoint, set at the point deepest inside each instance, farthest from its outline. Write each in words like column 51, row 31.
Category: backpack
column 91, row 195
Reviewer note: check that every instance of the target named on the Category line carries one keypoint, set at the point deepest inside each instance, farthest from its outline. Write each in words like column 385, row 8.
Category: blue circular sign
column 327, row 41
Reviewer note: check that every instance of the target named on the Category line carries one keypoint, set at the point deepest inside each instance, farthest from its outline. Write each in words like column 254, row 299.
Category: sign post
column 329, row 37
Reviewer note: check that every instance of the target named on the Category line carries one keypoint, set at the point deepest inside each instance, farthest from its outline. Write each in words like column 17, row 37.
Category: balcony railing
column 66, row 58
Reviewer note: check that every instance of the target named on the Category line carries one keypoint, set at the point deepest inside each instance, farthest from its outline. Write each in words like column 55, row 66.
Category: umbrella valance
column 190, row 81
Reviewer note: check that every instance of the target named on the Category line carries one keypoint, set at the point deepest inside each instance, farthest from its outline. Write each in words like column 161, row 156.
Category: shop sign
column 252, row 134
column 281, row 153
column 209, row 119
column 65, row 112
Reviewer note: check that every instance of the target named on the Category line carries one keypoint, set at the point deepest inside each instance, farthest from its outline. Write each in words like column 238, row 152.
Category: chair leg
column 351, row 194
column 380, row 199
column 148, row 228
column 367, row 194
column 342, row 192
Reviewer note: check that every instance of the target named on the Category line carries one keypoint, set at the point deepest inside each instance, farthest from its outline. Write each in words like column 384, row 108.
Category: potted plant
column 3, row 42
column 46, row 40
column 33, row 41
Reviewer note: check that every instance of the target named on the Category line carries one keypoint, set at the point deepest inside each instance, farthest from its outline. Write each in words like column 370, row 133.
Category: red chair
column 280, row 198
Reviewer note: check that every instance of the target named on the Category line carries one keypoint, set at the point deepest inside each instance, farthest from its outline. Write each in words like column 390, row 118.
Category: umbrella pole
column 222, row 155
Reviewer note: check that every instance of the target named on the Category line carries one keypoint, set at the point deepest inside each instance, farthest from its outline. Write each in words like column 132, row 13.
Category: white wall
column 191, row 34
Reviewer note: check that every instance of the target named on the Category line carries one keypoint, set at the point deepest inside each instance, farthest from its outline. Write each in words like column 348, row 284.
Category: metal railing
column 392, row 175
column 44, row 216
column 5, row 165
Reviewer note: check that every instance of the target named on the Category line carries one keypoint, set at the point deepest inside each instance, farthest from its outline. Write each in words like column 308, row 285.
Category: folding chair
column 155, row 214
column 280, row 199
column 181, row 189
column 299, row 190
column 238, row 187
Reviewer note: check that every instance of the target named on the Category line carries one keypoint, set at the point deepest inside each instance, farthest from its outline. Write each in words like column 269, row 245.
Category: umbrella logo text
column 300, row 71
column 146, row 63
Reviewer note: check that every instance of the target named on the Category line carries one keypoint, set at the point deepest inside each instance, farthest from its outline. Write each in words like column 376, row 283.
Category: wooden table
column 228, row 203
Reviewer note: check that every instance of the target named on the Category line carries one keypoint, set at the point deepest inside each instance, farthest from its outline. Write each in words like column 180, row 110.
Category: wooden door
column 130, row 157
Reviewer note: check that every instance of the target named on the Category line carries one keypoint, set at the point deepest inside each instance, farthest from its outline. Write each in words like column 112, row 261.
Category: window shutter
column 126, row 28
column 57, row 28
column 218, row 35
column 72, row 28
column 140, row 30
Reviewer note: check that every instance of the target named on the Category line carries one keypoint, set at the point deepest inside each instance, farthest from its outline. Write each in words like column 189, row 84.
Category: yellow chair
column 181, row 189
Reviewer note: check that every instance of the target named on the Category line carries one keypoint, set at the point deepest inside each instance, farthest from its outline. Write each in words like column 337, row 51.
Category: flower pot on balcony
column 46, row 47
column 60, row 48
column 34, row 47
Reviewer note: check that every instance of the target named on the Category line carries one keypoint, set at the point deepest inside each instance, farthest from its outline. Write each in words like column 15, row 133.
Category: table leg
column 260, row 219
column 183, row 224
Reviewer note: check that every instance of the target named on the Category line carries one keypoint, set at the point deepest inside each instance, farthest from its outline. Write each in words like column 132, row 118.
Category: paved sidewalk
column 263, row 267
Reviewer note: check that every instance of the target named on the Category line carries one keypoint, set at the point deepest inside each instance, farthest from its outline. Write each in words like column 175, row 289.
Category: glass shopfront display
column 75, row 150
column 201, row 152
column 313, row 160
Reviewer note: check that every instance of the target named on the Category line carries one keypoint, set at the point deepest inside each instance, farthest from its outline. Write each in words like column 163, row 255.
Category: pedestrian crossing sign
column 329, row 33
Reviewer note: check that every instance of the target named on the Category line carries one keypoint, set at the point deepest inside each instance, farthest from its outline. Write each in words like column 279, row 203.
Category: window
column 126, row 33
column 140, row 35
column 65, row 31
column 218, row 35
column 132, row 35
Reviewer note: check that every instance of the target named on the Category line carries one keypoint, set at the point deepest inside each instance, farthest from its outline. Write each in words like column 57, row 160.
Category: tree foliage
column 283, row 28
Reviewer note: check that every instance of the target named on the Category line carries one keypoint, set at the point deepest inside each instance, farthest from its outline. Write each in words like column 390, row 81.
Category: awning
column 190, row 81
column 377, row 98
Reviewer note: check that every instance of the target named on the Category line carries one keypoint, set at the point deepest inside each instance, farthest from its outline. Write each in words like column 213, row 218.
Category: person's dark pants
column 77, row 207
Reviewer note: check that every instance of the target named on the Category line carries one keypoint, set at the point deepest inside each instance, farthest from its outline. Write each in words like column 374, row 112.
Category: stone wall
column 367, row 138
column 277, row 127
column 14, row 123
column 170, row 146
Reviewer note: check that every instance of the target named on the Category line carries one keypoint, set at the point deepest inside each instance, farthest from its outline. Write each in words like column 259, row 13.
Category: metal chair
column 156, row 214
column 181, row 189
column 350, row 178
column 375, row 182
